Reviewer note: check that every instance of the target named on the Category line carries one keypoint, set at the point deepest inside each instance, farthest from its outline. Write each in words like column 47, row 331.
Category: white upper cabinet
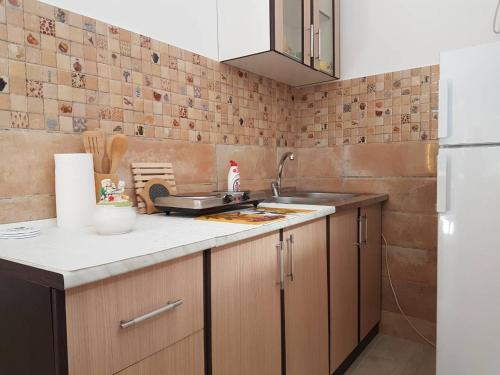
column 291, row 41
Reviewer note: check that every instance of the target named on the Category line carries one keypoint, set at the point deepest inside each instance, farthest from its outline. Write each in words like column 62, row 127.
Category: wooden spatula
column 94, row 142
column 118, row 147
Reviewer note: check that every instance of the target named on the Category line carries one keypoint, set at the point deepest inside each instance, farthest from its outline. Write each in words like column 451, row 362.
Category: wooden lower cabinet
column 306, row 299
column 96, row 342
column 355, row 279
column 370, row 268
column 343, row 285
column 182, row 358
column 245, row 299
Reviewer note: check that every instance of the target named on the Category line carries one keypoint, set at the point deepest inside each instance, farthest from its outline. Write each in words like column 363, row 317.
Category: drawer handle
column 169, row 306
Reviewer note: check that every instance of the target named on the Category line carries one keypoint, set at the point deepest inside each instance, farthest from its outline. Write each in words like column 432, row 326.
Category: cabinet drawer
column 97, row 344
column 183, row 358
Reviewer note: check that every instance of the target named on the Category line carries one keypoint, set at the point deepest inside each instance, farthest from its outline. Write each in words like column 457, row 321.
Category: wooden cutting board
column 143, row 172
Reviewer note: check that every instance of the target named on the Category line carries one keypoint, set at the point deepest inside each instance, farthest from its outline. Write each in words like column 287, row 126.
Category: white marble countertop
column 83, row 256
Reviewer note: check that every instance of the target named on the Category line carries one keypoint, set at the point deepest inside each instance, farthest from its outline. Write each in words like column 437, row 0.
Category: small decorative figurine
column 112, row 195
column 114, row 213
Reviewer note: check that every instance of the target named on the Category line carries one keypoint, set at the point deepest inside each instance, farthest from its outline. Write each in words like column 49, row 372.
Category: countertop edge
column 89, row 275
column 64, row 280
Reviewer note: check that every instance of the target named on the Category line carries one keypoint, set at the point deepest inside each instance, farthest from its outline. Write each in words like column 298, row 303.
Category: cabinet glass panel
column 292, row 29
column 325, row 36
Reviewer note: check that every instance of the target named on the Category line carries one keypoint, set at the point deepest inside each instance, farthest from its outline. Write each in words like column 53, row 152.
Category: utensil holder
column 98, row 177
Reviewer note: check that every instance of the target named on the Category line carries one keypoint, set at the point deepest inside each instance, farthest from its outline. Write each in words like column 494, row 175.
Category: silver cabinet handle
column 289, row 244
column 363, row 230
column 311, row 37
column 360, row 230
column 169, row 306
column 366, row 229
column 319, row 44
column 281, row 255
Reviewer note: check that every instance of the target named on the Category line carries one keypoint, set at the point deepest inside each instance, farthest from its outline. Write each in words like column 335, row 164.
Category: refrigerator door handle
column 442, row 182
column 444, row 107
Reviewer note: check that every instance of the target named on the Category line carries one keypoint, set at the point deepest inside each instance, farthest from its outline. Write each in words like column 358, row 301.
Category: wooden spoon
column 118, row 148
column 94, row 142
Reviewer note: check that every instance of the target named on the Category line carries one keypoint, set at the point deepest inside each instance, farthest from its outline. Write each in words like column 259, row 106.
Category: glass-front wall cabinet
column 293, row 29
column 323, row 21
column 305, row 30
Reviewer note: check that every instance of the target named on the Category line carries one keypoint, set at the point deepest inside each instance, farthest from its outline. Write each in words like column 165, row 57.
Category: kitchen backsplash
column 63, row 72
column 392, row 107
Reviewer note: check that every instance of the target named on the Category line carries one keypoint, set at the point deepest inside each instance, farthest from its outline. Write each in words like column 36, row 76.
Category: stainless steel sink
column 314, row 198
column 325, row 196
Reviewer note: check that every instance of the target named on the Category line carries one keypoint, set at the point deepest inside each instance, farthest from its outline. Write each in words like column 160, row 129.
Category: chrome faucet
column 276, row 185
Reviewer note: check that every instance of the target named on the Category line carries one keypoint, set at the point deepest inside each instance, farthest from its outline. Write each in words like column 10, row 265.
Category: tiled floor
column 387, row 355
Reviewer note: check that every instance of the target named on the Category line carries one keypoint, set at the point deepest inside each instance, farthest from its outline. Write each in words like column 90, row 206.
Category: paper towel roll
column 75, row 190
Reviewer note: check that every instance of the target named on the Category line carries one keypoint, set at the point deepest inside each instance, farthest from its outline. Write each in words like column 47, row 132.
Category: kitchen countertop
column 78, row 257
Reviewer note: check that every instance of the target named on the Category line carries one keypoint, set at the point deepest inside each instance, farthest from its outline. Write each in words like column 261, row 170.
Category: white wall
column 188, row 24
column 380, row 36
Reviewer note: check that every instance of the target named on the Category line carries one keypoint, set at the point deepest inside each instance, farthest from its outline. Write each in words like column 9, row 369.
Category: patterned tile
column 90, row 27
column 32, row 39
column 197, row 92
column 15, row 4
column 125, row 48
column 63, row 46
column 77, row 80
column 79, row 124
column 101, row 41
column 52, row 123
column 76, row 64
column 130, row 83
column 34, row 89
column 19, row 120
column 155, row 57
column 47, row 26
column 145, row 42
column 139, row 130
column 4, row 84
column 17, row 52
column 60, row 15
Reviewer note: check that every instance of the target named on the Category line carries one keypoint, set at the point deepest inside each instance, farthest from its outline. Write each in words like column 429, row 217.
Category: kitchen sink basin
column 323, row 196
column 314, row 198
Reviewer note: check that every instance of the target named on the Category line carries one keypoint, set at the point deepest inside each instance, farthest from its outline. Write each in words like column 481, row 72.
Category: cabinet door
column 370, row 268
column 290, row 16
column 306, row 299
column 326, row 36
column 343, row 285
column 246, row 308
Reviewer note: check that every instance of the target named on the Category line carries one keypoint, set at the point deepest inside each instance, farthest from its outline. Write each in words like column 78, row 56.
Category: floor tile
column 388, row 355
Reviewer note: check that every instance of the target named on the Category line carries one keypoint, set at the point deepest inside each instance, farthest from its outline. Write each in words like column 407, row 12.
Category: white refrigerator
column 468, row 203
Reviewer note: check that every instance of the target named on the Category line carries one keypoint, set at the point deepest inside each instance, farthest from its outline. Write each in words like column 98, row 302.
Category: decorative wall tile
column 125, row 48
column 19, row 120
column 4, row 84
column 78, row 80
column 15, row 4
column 34, row 89
column 32, row 39
column 63, row 46
column 113, row 77
column 391, row 107
column 52, row 123
column 60, row 15
column 79, row 124
column 101, row 41
column 47, row 26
